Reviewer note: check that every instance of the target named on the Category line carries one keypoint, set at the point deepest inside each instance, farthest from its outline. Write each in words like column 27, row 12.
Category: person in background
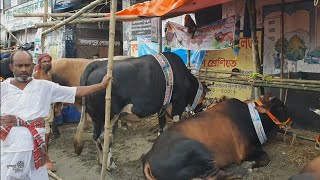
column 43, row 72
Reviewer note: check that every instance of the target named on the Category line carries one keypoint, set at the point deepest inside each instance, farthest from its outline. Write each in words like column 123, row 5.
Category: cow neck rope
column 256, row 120
column 281, row 125
column 168, row 74
column 196, row 98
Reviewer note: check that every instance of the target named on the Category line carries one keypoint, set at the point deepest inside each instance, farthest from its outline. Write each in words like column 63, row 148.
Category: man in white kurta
column 30, row 99
column 30, row 103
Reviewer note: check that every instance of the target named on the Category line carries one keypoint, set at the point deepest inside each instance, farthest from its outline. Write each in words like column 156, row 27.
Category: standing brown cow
column 67, row 71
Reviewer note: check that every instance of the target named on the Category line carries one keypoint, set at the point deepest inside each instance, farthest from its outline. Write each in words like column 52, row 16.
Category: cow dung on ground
column 129, row 145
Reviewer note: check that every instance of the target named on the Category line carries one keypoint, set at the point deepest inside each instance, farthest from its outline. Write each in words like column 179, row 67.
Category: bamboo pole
column 74, row 16
column 53, row 175
column 282, row 50
column 259, row 84
column 255, row 51
column 45, row 19
column 9, row 41
column 189, row 57
column 274, row 79
column 160, row 35
column 271, row 82
column 10, row 33
column 26, row 35
column 108, row 125
column 278, row 83
column 86, row 20
column 206, row 73
column 58, row 14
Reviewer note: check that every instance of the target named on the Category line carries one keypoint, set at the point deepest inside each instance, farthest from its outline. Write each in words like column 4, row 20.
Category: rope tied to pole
column 294, row 135
column 316, row 2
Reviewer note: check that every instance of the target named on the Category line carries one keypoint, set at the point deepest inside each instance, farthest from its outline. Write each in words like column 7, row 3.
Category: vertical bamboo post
column 189, row 58
column 108, row 125
column 9, row 40
column 255, row 51
column 160, row 35
column 25, row 35
column 45, row 19
column 205, row 75
column 282, row 50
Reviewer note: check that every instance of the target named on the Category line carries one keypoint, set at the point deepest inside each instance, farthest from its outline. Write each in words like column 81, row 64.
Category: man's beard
column 46, row 68
column 20, row 79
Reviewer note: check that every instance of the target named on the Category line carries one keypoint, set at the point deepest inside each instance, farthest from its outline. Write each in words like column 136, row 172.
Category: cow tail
column 78, row 142
column 84, row 79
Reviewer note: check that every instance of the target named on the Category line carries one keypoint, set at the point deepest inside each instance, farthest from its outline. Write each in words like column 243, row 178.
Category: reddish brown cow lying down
column 200, row 146
column 311, row 171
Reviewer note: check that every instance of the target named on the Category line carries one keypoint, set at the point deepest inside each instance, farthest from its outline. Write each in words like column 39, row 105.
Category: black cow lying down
column 200, row 146
column 138, row 91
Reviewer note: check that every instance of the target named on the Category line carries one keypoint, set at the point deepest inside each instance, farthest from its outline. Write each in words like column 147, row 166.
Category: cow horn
column 271, row 98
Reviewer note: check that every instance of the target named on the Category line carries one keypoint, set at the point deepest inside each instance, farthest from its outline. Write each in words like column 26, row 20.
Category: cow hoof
column 112, row 167
column 247, row 164
column 160, row 131
column 98, row 160
column 176, row 119
column 56, row 134
column 78, row 147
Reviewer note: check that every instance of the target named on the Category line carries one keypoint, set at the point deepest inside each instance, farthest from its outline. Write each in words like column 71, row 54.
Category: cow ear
column 261, row 109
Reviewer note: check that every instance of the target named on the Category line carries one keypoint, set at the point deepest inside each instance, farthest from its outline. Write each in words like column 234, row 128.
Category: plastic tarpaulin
column 145, row 46
column 168, row 8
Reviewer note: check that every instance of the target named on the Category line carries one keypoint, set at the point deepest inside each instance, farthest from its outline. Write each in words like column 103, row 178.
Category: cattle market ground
column 130, row 144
